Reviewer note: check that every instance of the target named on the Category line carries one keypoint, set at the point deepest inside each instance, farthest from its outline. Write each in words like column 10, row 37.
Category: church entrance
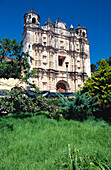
column 61, row 86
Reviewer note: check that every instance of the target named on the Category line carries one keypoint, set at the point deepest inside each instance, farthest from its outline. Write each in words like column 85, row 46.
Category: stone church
column 61, row 55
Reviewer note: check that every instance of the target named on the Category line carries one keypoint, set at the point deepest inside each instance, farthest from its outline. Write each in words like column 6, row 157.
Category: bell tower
column 31, row 23
column 82, row 32
column 31, row 19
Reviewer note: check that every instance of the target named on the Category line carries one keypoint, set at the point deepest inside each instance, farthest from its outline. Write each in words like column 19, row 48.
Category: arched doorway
column 61, row 86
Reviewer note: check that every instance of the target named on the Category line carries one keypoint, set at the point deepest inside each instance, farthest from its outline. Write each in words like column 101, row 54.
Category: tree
column 17, row 65
column 109, row 61
column 100, row 83
column 79, row 107
column 93, row 68
column 14, row 63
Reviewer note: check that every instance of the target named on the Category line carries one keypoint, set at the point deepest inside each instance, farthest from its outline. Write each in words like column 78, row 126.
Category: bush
column 17, row 101
column 79, row 107
column 105, row 113
column 100, row 84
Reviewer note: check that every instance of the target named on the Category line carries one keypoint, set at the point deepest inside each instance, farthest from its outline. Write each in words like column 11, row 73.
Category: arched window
column 33, row 20
column 76, row 31
column 80, row 32
column 83, row 34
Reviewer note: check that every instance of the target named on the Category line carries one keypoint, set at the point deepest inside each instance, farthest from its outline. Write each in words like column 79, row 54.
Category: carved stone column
column 72, row 64
column 40, row 58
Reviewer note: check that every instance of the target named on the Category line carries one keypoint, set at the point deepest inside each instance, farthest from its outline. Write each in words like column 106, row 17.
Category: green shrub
column 100, row 84
column 53, row 102
column 105, row 113
column 17, row 101
column 80, row 107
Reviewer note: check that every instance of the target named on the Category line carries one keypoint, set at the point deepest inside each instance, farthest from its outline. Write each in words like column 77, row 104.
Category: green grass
column 40, row 143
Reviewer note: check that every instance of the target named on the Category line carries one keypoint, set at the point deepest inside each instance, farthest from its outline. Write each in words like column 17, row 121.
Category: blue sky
column 95, row 15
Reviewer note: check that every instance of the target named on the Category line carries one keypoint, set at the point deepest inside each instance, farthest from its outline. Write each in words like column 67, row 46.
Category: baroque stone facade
column 51, row 46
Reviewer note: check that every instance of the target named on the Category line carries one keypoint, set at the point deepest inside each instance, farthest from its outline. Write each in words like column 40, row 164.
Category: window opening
column 33, row 20
column 61, row 60
column 83, row 34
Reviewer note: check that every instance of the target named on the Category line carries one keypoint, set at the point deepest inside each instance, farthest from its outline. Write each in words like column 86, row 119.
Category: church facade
column 61, row 55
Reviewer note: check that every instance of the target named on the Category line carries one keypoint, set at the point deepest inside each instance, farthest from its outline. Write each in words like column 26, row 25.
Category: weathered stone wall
column 8, row 84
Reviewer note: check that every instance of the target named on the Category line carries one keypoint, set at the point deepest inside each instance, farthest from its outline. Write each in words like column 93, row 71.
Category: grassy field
column 41, row 143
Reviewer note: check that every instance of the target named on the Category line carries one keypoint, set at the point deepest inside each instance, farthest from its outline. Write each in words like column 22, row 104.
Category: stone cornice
column 48, row 48
column 75, row 73
column 58, row 35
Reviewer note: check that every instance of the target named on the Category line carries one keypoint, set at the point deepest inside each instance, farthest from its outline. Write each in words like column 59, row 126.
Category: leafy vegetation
column 38, row 142
column 93, row 68
column 79, row 107
column 18, row 101
column 108, row 61
column 100, row 84
column 17, row 65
